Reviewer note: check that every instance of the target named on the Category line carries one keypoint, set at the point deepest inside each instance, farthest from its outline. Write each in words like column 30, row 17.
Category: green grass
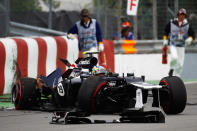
column 190, row 80
column 153, row 81
column 157, row 81
column 5, row 101
column 6, row 105
column 5, row 96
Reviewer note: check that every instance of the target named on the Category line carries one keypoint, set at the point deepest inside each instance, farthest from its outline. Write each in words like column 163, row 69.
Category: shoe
column 171, row 72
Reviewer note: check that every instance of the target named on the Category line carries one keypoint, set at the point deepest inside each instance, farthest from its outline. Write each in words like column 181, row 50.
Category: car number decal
column 60, row 89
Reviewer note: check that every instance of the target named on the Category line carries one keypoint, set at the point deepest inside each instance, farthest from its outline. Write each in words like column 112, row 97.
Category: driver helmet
column 126, row 24
column 98, row 70
column 182, row 11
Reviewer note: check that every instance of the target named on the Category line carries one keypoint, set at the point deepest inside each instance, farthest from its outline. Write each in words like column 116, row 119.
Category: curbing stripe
column 22, row 56
column 72, row 49
column 42, row 55
column 10, row 66
column 61, row 52
column 2, row 67
column 32, row 57
column 51, row 54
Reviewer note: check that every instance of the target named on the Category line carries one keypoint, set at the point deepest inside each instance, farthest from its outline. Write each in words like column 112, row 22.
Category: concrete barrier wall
column 35, row 56
column 190, row 67
column 149, row 65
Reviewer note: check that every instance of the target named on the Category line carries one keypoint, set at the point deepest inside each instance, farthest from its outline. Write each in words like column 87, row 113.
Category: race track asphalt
column 12, row 120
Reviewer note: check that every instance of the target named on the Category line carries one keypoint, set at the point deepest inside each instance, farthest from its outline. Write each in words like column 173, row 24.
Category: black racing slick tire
column 173, row 95
column 25, row 94
column 90, row 89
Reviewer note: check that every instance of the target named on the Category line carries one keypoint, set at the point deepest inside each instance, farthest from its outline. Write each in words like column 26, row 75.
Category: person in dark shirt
column 126, row 34
column 89, row 33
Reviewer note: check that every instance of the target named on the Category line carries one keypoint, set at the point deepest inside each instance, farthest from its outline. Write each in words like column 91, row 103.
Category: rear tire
column 25, row 94
column 173, row 97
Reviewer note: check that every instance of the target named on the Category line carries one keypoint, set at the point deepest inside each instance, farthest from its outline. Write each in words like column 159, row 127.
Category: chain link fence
column 61, row 15
column 4, row 18
column 166, row 10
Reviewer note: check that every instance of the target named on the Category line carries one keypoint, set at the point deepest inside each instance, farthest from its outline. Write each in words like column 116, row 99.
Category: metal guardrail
column 150, row 46
column 155, row 46
column 142, row 46
column 18, row 29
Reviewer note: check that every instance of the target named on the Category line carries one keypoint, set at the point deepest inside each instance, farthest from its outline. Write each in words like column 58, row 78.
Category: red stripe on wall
column 42, row 56
column 2, row 67
column 107, row 56
column 80, row 54
column 22, row 56
column 61, row 52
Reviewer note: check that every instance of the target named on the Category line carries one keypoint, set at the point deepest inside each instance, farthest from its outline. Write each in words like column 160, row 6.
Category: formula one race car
column 87, row 89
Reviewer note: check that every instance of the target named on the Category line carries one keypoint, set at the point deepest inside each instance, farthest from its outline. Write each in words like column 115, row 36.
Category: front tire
column 90, row 96
column 173, row 96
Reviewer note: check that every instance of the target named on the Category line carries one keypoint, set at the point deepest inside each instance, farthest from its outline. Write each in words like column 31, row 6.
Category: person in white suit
column 178, row 34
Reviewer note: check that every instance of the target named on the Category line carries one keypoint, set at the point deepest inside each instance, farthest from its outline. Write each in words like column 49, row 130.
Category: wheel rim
column 165, row 99
column 14, row 94
column 98, row 92
column 17, row 94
